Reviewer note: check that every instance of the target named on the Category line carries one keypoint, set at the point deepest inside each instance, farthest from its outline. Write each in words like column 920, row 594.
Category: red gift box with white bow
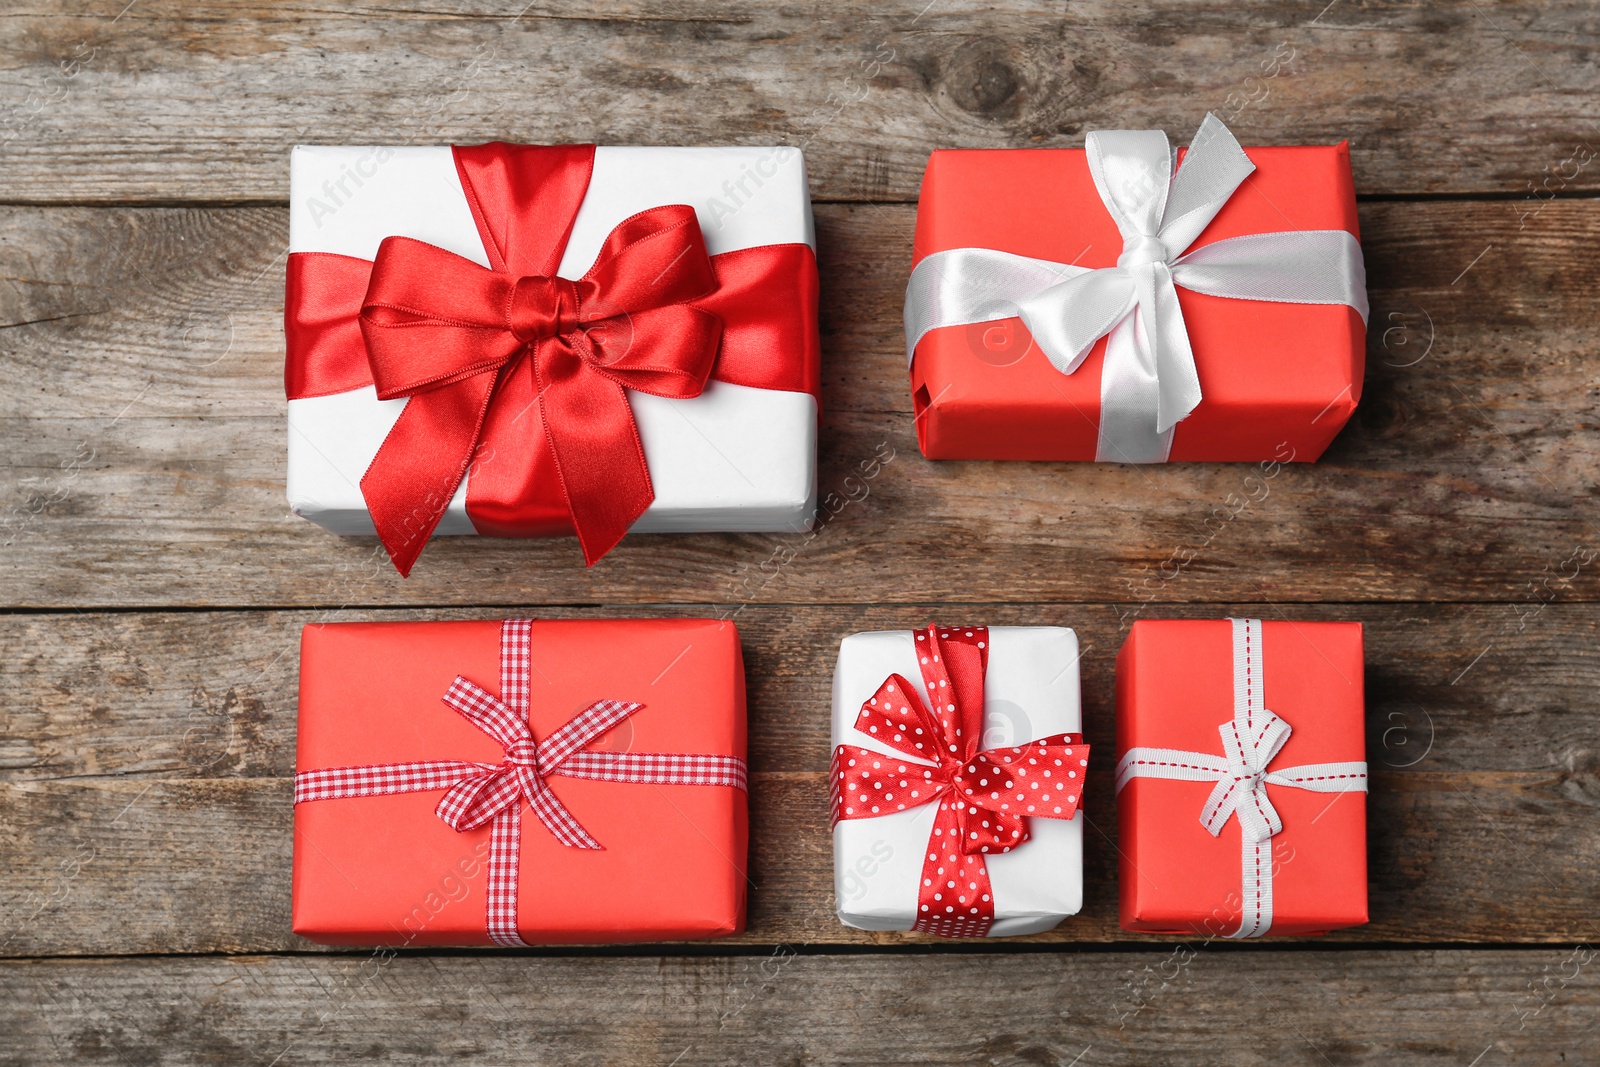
column 1241, row 777
column 1114, row 303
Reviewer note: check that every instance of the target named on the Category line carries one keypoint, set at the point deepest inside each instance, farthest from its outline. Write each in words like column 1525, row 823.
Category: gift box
column 524, row 341
column 1241, row 779
column 956, row 779
column 1076, row 303
column 520, row 782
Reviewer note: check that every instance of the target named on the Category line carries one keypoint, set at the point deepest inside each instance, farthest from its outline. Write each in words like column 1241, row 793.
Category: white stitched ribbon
column 1149, row 381
column 1250, row 741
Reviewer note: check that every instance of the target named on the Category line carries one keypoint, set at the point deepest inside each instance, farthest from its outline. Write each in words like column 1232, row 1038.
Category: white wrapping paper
column 731, row 459
column 1030, row 691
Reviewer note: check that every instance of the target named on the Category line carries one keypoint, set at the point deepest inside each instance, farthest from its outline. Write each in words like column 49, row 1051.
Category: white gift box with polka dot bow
column 1030, row 691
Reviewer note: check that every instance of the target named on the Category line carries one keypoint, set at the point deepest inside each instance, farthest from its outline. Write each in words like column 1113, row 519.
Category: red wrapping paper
column 1279, row 380
column 1174, row 688
column 387, row 870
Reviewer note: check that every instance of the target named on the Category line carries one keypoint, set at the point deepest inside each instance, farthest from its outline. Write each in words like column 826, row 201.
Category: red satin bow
column 519, row 375
column 445, row 331
column 985, row 797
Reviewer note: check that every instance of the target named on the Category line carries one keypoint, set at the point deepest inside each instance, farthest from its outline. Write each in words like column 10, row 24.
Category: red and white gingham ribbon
column 479, row 793
column 1250, row 741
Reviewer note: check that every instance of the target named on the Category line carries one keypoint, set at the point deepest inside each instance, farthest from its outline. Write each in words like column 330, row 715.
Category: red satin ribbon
column 985, row 797
column 550, row 439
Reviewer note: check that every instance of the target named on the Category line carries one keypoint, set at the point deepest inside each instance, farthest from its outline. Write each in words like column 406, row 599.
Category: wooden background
column 155, row 583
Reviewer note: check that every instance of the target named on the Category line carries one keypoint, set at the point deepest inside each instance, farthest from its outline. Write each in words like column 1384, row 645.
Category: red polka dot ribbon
column 985, row 797
column 492, row 793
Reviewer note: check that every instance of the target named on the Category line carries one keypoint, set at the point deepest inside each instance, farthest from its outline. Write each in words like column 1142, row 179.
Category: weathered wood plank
column 132, row 865
column 1208, row 1006
column 212, row 694
column 183, row 308
column 146, row 762
column 146, row 450
column 177, row 101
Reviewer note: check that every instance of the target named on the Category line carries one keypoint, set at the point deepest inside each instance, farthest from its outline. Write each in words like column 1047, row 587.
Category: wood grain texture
column 146, row 435
column 147, row 803
column 190, row 695
column 153, row 584
column 1243, row 1008
column 130, row 866
column 168, row 100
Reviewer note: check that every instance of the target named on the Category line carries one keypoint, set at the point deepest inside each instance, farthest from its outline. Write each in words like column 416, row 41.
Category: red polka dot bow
column 985, row 797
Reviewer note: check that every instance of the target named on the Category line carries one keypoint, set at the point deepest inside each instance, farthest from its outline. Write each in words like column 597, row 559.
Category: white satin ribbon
column 1150, row 381
column 1250, row 741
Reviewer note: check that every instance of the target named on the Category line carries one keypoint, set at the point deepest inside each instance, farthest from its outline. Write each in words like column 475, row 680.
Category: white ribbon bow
column 1150, row 381
column 1250, row 741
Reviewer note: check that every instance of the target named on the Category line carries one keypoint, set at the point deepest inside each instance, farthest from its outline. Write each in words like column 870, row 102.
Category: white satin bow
column 1150, row 380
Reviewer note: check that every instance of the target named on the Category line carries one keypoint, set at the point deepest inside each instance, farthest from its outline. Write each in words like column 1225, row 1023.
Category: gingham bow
column 478, row 798
column 489, row 793
column 1250, row 741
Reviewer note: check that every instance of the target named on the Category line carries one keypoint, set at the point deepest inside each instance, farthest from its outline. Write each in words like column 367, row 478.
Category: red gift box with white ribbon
column 1241, row 777
column 1112, row 303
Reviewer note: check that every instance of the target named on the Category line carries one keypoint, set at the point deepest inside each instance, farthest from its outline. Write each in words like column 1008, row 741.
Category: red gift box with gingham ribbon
column 520, row 782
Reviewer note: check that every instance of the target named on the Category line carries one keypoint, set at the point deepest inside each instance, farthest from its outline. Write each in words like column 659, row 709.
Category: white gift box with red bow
column 734, row 458
column 1030, row 691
